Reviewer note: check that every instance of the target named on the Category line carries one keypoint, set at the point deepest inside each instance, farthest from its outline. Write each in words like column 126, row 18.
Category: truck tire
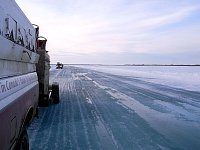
column 23, row 142
column 46, row 100
column 43, row 100
column 55, row 93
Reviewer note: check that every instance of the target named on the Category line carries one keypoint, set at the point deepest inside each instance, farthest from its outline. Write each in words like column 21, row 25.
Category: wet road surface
column 108, row 112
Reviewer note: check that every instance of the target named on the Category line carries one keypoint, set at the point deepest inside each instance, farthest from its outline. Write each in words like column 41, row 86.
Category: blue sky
column 118, row 31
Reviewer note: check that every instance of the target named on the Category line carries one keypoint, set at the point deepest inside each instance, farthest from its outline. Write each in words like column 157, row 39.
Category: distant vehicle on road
column 59, row 65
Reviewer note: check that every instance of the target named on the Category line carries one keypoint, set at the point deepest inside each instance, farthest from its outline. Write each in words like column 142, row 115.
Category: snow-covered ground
column 186, row 77
column 121, row 107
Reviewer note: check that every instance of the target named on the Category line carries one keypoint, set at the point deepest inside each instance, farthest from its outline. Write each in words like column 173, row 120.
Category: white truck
column 24, row 75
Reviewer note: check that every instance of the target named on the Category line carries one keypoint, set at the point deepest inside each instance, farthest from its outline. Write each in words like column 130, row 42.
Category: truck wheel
column 23, row 142
column 44, row 100
column 55, row 93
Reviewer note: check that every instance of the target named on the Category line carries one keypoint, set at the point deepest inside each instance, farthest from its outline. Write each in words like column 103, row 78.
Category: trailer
column 24, row 76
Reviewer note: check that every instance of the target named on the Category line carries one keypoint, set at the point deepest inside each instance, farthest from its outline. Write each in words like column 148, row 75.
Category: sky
column 118, row 31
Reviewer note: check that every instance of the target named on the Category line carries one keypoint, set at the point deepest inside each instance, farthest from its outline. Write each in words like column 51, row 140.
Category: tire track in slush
column 105, row 134
column 69, row 135
column 83, row 120
column 103, row 129
column 107, row 139
column 33, row 129
column 73, row 134
column 101, row 132
column 67, row 144
column 47, row 140
column 66, row 130
column 43, row 130
column 57, row 121
column 62, row 121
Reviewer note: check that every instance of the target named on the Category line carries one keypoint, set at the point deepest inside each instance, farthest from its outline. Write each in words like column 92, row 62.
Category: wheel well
column 29, row 117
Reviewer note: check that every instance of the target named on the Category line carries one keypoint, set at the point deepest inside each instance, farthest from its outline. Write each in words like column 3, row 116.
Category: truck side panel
column 15, row 107
column 19, row 87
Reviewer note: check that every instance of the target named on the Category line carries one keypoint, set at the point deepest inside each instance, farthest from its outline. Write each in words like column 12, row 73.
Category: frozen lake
column 121, row 107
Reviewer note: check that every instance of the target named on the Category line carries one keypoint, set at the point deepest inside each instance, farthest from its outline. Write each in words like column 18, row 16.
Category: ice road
column 105, row 111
